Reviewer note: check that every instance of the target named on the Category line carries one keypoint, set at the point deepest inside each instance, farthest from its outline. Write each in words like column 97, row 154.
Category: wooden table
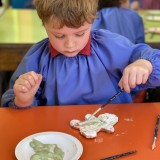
column 133, row 131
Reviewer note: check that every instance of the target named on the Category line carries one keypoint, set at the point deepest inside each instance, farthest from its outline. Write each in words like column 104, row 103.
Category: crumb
column 99, row 140
column 128, row 119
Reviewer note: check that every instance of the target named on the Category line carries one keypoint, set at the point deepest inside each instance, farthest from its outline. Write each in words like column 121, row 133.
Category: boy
column 76, row 66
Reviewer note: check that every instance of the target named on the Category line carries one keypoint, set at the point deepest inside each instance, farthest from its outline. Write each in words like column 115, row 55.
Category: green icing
column 46, row 151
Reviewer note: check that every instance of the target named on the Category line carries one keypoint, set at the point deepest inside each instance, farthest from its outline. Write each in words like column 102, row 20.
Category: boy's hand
column 25, row 88
column 135, row 74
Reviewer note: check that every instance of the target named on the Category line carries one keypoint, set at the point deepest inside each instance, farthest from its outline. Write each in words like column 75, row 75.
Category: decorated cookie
column 92, row 125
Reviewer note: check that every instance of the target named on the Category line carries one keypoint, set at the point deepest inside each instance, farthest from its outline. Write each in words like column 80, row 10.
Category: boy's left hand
column 134, row 74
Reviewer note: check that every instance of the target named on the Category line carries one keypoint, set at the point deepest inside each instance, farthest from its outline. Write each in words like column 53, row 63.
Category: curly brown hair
column 72, row 13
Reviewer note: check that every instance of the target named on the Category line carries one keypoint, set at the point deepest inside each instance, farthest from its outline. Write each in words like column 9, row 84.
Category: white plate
column 70, row 145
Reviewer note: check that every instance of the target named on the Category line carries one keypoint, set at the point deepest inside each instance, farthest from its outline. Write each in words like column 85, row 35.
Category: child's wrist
column 22, row 104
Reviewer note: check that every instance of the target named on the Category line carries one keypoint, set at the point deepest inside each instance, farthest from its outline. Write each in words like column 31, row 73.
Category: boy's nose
column 69, row 43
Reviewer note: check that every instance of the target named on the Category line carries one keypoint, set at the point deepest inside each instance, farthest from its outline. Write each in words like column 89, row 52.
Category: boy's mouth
column 71, row 53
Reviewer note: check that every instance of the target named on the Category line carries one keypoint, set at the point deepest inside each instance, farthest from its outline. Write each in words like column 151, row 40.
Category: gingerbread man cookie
column 92, row 125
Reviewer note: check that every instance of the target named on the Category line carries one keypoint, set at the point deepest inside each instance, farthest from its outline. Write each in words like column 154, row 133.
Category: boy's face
column 68, row 41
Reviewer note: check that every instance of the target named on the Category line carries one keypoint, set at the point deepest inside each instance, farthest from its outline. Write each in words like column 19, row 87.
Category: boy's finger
column 145, row 78
column 124, row 86
column 139, row 79
column 132, row 80
column 20, row 88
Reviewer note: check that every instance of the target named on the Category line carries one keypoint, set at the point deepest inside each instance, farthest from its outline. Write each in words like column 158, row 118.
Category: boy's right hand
column 25, row 88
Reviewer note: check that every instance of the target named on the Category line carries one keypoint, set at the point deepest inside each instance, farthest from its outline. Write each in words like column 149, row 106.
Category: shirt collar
column 85, row 51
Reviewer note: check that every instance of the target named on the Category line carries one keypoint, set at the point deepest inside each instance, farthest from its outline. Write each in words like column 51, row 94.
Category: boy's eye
column 80, row 34
column 59, row 36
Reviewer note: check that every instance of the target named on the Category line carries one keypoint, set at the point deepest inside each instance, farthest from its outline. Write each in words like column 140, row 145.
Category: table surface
column 134, row 130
